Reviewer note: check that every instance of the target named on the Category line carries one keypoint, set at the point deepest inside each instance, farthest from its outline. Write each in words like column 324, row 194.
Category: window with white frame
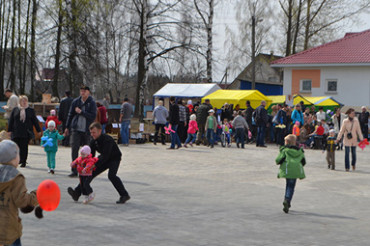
column 331, row 86
column 306, row 85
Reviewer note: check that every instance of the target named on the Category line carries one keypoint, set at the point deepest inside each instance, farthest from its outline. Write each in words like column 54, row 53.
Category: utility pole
column 253, row 52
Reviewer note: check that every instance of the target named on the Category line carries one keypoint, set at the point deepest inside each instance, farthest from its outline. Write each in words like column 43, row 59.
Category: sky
column 225, row 15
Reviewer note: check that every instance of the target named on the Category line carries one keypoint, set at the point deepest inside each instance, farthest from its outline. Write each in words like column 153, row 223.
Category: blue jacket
column 89, row 112
column 297, row 116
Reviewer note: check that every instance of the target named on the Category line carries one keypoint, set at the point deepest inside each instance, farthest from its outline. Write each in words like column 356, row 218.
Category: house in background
column 340, row 69
column 269, row 80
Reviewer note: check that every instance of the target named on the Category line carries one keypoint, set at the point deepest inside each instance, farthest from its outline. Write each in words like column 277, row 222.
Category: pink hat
column 85, row 150
column 52, row 112
column 297, row 123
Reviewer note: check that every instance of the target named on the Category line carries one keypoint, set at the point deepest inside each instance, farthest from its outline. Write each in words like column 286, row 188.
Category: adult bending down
column 351, row 131
column 110, row 158
column 21, row 123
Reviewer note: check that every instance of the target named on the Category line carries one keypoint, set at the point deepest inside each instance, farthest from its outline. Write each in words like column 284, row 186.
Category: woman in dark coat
column 21, row 124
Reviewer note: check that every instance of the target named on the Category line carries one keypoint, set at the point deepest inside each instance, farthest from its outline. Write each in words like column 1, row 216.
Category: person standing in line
column 174, row 121
column 109, row 158
column 160, row 115
column 125, row 119
column 13, row 102
column 202, row 114
column 63, row 111
column 183, row 121
column 21, row 123
column 211, row 128
column 351, row 131
column 240, row 125
column 261, row 121
column 248, row 117
column 81, row 114
column 364, row 122
column 281, row 127
column 102, row 115
column 297, row 115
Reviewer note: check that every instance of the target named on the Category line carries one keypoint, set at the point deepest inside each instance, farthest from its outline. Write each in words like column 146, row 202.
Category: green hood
column 291, row 160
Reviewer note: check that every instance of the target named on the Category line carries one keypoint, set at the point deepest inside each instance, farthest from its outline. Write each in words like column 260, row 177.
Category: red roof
column 353, row 48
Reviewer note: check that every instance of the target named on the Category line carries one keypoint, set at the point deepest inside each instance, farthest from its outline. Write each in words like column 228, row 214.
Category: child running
column 49, row 142
column 291, row 160
column 85, row 164
column 192, row 129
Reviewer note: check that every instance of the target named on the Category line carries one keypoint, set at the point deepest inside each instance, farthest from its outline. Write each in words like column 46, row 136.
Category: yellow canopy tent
column 298, row 98
column 277, row 99
column 220, row 97
column 323, row 101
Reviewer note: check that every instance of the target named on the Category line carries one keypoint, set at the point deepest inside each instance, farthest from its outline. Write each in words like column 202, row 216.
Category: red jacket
column 85, row 166
column 103, row 115
column 193, row 127
column 55, row 119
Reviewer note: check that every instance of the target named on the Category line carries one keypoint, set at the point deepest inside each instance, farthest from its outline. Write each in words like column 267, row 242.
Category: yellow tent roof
column 277, row 99
column 298, row 98
column 220, row 97
column 323, row 101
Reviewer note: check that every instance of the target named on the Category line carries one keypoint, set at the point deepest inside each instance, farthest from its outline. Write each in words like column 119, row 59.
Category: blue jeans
column 17, row 242
column 346, row 156
column 289, row 189
column 125, row 131
column 191, row 138
column 175, row 137
column 239, row 137
column 210, row 136
column 261, row 135
column 103, row 127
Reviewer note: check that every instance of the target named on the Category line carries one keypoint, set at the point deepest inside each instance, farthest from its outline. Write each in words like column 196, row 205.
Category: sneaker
column 191, row 144
column 52, row 171
column 86, row 200
column 73, row 194
column 185, row 146
column 229, row 145
column 89, row 198
column 353, row 168
column 49, row 170
column 123, row 199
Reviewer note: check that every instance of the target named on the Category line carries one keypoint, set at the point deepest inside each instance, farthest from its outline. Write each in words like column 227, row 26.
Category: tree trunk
column 297, row 26
column 19, row 52
column 2, row 50
column 57, row 50
column 6, row 41
column 210, row 42
column 12, row 58
column 308, row 24
column 289, row 30
column 33, row 47
column 142, row 63
column 25, row 53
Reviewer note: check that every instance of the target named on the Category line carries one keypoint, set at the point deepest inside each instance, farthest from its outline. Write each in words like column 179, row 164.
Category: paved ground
column 202, row 196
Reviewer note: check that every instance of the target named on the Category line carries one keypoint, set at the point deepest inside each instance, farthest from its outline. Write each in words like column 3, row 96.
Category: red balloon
column 48, row 195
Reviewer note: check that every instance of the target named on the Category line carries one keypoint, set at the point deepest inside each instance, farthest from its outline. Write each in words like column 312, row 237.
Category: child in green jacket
column 49, row 142
column 291, row 160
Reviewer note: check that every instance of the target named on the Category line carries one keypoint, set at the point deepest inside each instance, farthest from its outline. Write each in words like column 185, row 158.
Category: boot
column 286, row 206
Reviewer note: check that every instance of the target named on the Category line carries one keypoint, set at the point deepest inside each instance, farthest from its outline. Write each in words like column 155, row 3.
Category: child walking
column 85, row 164
column 226, row 126
column 291, row 160
column 192, row 129
column 211, row 127
column 330, row 146
column 49, row 142
column 13, row 194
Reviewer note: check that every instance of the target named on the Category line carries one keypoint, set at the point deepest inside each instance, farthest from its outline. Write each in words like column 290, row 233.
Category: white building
column 340, row 69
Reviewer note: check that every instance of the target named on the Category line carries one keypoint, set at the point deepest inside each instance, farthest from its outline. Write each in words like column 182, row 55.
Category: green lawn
column 2, row 122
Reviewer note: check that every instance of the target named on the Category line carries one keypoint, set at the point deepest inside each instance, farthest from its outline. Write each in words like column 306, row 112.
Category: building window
column 306, row 85
column 332, row 85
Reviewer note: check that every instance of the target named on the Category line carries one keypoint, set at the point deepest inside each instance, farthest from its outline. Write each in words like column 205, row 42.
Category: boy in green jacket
column 49, row 142
column 291, row 160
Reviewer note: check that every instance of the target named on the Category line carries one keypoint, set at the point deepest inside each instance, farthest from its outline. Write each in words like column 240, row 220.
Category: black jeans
column 365, row 130
column 78, row 139
column 85, row 185
column 112, row 175
column 163, row 136
column 23, row 148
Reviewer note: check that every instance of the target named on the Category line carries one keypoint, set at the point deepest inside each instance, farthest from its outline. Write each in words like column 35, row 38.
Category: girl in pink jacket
column 192, row 129
column 85, row 164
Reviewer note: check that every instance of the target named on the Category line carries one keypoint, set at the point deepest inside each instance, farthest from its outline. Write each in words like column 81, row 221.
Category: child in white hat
column 49, row 142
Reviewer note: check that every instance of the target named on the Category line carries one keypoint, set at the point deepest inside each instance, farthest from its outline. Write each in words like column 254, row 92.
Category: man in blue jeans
column 261, row 120
column 125, row 119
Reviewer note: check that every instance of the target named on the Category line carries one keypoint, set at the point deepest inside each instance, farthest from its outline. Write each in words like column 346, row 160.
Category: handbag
column 349, row 134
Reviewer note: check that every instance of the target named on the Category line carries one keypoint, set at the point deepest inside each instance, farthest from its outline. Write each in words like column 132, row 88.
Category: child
column 296, row 129
column 13, row 194
column 192, row 129
column 226, row 129
column 330, row 145
column 85, row 165
column 211, row 127
column 49, row 142
column 54, row 118
column 291, row 160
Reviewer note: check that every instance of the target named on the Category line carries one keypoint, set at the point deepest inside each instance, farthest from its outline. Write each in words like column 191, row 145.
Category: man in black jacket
column 202, row 115
column 109, row 158
column 261, row 121
column 248, row 117
column 174, row 121
column 364, row 122
column 81, row 114
column 64, row 107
